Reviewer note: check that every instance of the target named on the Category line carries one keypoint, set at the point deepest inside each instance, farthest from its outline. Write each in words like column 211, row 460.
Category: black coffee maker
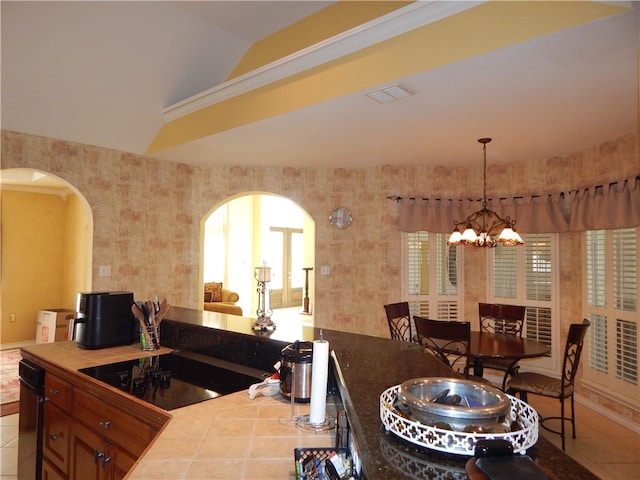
column 104, row 319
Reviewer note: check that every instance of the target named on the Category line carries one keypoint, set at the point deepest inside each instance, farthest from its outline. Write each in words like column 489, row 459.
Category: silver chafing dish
column 454, row 404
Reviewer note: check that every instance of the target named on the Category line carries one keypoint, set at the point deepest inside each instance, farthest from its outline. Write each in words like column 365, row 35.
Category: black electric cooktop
column 175, row 380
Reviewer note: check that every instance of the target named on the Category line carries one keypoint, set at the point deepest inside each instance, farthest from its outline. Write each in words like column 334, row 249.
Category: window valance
column 616, row 205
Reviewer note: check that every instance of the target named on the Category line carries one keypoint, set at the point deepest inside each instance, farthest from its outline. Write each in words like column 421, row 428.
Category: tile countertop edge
column 189, row 426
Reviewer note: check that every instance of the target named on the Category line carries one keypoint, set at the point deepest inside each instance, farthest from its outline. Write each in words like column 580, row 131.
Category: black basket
column 303, row 457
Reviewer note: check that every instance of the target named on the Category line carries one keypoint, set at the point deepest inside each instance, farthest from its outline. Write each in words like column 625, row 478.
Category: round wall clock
column 340, row 218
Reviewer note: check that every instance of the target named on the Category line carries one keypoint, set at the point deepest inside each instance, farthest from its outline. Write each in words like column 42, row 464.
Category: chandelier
column 482, row 227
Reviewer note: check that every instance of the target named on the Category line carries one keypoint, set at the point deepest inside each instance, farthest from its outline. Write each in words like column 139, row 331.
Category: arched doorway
column 254, row 229
column 47, row 231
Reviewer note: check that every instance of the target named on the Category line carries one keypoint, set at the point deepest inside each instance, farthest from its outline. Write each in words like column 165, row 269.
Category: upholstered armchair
column 222, row 300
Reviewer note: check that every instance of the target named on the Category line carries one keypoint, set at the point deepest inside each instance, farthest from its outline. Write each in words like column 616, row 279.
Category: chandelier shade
column 485, row 228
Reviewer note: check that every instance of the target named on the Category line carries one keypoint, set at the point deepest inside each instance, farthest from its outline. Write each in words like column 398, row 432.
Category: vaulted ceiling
column 285, row 83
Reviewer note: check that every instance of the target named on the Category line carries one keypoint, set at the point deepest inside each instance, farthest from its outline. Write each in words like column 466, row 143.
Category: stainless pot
column 295, row 370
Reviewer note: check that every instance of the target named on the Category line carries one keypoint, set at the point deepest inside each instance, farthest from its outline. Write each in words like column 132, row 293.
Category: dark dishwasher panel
column 30, row 421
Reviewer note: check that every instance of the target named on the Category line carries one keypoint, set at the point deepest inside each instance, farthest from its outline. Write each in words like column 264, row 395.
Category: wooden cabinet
column 91, row 431
column 95, row 457
column 56, row 430
column 56, row 437
column 114, row 425
column 106, row 441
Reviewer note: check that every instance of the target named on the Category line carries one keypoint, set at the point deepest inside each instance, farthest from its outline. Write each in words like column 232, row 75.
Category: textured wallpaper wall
column 147, row 214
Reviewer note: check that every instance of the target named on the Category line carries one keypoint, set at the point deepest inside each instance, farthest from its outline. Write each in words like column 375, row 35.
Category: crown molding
column 388, row 26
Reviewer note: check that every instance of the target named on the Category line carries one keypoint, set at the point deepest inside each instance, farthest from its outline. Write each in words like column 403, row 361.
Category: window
column 526, row 276
column 611, row 282
column 432, row 273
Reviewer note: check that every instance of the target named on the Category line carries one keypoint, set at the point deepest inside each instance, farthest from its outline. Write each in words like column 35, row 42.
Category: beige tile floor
column 9, row 447
column 606, row 448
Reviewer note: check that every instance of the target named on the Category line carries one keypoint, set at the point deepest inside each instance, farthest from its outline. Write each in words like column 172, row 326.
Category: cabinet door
column 88, row 452
column 56, row 437
column 96, row 458
column 119, row 463
column 49, row 472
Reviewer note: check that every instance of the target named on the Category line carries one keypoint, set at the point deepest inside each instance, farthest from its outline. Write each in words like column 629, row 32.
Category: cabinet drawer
column 56, row 437
column 112, row 424
column 58, row 391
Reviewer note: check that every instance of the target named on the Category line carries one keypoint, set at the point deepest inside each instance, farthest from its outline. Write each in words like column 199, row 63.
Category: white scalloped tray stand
column 460, row 443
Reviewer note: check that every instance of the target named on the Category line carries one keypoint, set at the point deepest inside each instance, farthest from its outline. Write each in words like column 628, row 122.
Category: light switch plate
column 325, row 270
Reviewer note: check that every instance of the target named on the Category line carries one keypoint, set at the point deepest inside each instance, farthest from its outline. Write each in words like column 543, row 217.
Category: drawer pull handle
column 54, row 436
column 97, row 455
column 54, row 392
column 105, row 424
column 105, row 460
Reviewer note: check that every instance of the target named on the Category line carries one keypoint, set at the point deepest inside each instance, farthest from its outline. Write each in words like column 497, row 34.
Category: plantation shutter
column 524, row 276
column 611, row 260
column 627, row 351
column 538, row 284
column 625, row 298
column 418, row 263
column 432, row 276
column 598, row 343
column 625, row 282
column 504, row 272
column 596, row 279
column 538, row 267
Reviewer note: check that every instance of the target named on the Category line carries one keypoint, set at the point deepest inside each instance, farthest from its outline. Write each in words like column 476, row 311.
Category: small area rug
column 9, row 383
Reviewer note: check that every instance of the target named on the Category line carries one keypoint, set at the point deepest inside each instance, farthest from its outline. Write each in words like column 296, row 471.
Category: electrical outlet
column 105, row 270
column 12, row 317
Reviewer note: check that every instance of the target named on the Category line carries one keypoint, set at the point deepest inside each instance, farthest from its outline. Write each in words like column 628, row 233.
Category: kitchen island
column 234, row 437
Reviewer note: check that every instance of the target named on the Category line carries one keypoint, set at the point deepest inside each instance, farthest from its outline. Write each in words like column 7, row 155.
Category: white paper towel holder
column 318, row 420
column 304, row 423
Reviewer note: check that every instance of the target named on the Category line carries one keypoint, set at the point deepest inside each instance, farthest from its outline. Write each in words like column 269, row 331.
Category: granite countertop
column 371, row 365
column 368, row 366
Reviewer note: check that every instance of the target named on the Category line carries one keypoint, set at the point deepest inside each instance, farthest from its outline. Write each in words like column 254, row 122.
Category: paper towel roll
column 319, row 372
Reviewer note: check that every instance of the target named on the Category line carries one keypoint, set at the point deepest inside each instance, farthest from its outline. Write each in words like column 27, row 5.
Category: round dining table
column 485, row 345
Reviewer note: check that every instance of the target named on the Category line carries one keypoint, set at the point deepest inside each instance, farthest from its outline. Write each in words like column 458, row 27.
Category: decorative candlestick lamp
column 264, row 322
column 305, row 304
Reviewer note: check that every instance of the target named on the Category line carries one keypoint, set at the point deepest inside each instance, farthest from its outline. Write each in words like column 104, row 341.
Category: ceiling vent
column 388, row 94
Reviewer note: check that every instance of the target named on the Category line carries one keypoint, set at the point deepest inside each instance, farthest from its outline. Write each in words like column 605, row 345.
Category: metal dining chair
column 448, row 341
column 506, row 319
column 560, row 388
column 399, row 320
